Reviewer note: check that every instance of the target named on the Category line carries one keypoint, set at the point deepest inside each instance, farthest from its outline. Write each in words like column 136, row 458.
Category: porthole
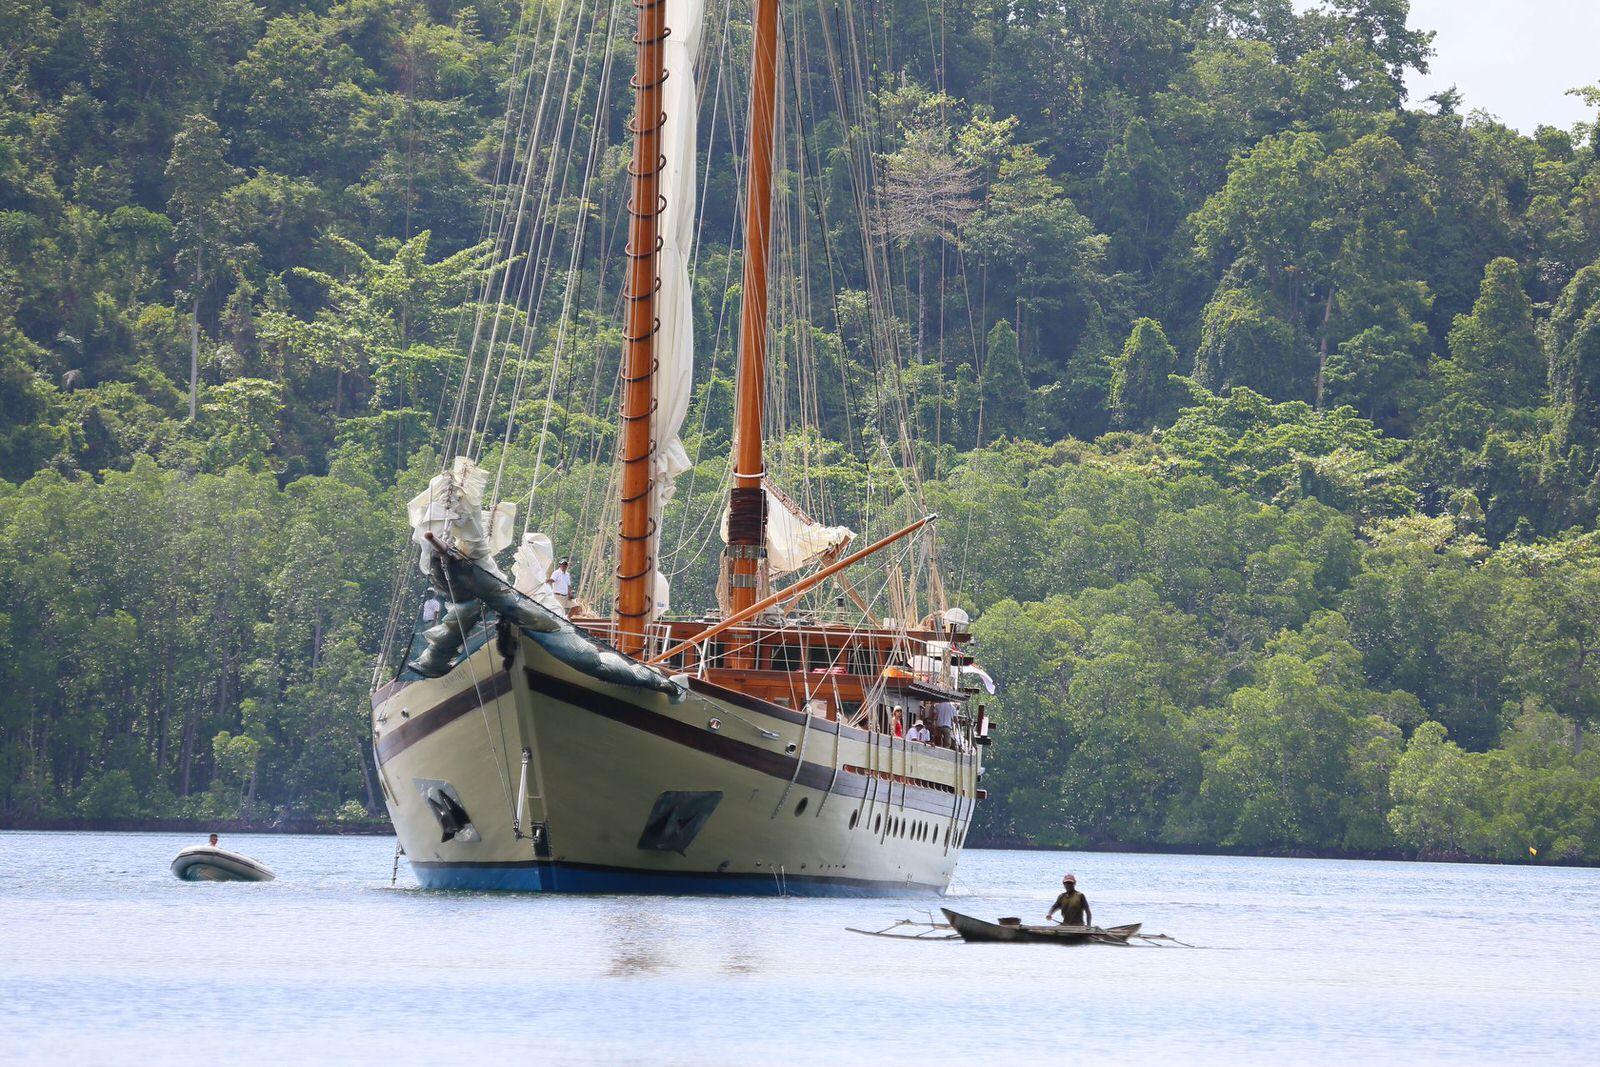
column 947, row 837
column 877, row 824
column 854, row 817
column 800, row 807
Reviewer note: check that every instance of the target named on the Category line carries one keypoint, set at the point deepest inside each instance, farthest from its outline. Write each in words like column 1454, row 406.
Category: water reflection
column 1334, row 961
column 632, row 943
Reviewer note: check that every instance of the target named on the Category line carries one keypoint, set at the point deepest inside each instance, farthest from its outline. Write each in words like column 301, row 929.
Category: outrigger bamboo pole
column 636, row 535
column 785, row 595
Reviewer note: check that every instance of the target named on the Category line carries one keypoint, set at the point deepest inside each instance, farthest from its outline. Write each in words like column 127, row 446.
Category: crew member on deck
column 432, row 607
column 944, row 719
column 560, row 582
column 1073, row 905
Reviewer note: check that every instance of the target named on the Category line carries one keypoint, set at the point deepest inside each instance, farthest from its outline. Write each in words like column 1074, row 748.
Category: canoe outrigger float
column 959, row 927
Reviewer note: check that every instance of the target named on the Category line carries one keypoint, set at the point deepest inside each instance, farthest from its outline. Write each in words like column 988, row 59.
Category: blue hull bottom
column 571, row 878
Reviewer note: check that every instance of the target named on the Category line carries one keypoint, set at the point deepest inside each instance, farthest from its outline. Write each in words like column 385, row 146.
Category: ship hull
column 518, row 773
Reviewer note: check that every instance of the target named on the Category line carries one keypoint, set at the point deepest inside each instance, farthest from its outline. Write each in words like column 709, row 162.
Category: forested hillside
column 1260, row 402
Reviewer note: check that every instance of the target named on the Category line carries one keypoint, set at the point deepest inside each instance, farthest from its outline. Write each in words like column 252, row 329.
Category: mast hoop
column 644, row 336
column 660, row 244
column 641, row 415
column 644, row 296
column 645, row 536
column 661, row 207
column 629, row 499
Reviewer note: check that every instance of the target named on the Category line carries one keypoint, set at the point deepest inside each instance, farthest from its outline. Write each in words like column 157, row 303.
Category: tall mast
column 747, row 508
column 636, row 567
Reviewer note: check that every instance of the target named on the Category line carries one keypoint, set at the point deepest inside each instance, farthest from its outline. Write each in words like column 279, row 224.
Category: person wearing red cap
column 1073, row 905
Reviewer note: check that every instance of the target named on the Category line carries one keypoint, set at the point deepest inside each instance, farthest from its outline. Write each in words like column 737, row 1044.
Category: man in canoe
column 1073, row 905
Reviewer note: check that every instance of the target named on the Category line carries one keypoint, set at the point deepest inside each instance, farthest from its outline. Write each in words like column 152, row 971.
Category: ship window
column 854, row 817
column 800, row 807
column 863, row 659
column 947, row 837
column 877, row 824
column 821, row 657
column 785, row 658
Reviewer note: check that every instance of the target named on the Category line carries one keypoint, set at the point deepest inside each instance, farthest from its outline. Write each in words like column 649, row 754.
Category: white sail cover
column 674, row 380
column 530, row 570
column 794, row 539
column 451, row 509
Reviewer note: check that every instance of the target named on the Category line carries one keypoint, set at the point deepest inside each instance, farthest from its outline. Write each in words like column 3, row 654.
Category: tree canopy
column 1261, row 402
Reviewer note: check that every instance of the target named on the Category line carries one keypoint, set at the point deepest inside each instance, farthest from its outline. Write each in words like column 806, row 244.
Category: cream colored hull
column 623, row 791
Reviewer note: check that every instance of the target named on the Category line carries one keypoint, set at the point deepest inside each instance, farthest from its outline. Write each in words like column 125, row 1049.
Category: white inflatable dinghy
column 208, row 863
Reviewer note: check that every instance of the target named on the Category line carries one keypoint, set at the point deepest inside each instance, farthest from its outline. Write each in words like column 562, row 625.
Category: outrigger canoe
column 972, row 929
column 207, row 863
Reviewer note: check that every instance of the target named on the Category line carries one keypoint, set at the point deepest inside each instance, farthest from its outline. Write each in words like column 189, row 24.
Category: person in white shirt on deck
column 919, row 732
column 432, row 607
column 560, row 583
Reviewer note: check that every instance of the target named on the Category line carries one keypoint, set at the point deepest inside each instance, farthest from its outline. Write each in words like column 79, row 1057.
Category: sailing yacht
column 526, row 744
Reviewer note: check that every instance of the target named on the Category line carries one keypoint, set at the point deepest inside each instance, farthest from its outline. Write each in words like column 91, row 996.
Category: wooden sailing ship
column 749, row 750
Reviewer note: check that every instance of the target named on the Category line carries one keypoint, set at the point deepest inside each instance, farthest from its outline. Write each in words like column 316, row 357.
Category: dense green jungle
column 1260, row 403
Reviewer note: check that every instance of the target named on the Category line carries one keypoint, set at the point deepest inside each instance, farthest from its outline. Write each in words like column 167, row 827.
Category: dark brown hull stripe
column 423, row 723
column 388, row 691
column 775, row 764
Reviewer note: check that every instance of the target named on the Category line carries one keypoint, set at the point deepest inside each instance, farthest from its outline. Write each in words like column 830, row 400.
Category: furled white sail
column 674, row 380
column 451, row 509
column 530, row 571
column 794, row 538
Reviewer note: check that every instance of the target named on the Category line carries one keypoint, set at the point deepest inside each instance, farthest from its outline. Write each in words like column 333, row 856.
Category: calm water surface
column 104, row 957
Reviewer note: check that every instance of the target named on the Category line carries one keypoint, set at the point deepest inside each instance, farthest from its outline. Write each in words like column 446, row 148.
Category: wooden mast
column 636, row 566
column 743, row 559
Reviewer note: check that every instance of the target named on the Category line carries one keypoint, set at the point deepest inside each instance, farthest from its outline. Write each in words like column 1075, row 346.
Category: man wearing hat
column 1073, row 905
column 560, row 583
